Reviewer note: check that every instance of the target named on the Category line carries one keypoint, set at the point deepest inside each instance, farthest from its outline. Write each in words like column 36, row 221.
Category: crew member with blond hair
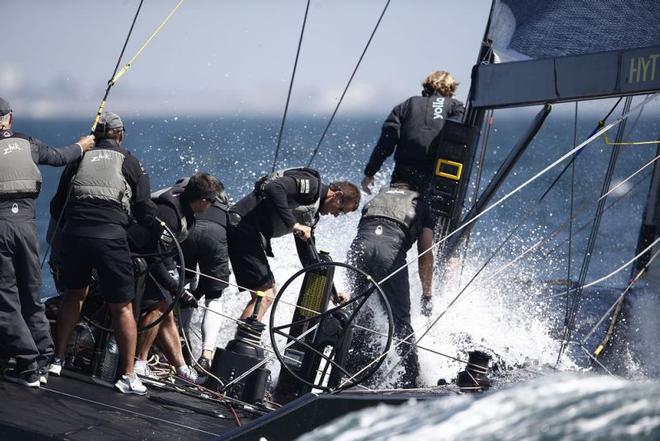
column 409, row 132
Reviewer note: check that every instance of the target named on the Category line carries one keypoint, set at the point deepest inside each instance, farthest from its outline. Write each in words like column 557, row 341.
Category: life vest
column 19, row 175
column 304, row 214
column 393, row 204
column 171, row 196
column 100, row 177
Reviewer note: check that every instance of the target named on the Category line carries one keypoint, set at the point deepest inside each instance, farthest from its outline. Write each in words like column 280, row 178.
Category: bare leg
column 148, row 337
column 170, row 343
column 266, row 301
column 125, row 333
column 67, row 318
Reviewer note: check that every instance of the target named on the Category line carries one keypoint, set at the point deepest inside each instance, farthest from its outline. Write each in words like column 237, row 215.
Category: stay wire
column 288, row 96
column 583, row 206
column 570, row 216
column 477, row 186
column 341, row 99
column 619, row 299
column 570, row 318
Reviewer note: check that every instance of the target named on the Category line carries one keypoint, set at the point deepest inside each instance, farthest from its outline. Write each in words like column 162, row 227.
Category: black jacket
column 411, row 128
column 280, row 195
column 170, row 211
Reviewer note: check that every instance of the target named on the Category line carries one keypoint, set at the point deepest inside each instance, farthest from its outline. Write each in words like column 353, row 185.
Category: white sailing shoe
column 142, row 369
column 130, row 384
column 186, row 375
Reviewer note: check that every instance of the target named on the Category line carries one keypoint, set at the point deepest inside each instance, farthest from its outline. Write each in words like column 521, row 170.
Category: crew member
column 206, row 249
column 391, row 223
column 24, row 329
column 287, row 201
column 96, row 200
column 177, row 207
column 410, row 131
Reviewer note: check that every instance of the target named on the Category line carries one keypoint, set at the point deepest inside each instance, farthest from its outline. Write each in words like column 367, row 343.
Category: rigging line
column 583, row 206
column 622, row 267
column 288, row 96
column 597, row 361
column 477, row 185
column 554, row 234
column 608, row 142
column 121, row 409
column 343, row 94
column 618, row 300
column 117, row 75
column 569, row 320
column 570, row 215
column 526, row 183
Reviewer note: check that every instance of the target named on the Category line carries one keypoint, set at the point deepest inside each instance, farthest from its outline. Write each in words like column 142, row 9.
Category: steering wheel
column 354, row 310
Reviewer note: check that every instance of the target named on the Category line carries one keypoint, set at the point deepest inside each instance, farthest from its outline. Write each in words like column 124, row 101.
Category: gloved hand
column 188, row 300
column 427, row 305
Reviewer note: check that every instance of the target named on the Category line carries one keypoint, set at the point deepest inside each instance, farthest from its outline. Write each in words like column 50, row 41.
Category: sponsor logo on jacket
column 100, row 157
column 438, row 108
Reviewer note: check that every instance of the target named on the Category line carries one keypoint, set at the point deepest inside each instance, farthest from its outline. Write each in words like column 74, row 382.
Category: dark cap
column 111, row 121
column 4, row 107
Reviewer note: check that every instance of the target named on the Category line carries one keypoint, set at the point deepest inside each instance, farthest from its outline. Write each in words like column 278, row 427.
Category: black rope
column 583, row 207
column 570, row 217
column 341, row 99
column 477, row 185
column 569, row 322
column 288, row 96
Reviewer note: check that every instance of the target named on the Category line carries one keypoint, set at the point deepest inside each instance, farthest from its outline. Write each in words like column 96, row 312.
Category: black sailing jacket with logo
column 410, row 129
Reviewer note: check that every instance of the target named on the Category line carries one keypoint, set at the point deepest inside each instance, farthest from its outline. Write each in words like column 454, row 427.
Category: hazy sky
column 232, row 57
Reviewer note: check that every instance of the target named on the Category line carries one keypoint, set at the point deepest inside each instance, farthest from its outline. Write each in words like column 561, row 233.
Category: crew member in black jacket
column 286, row 201
column 24, row 329
column 409, row 132
column 206, row 249
column 98, row 198
column 177, row 207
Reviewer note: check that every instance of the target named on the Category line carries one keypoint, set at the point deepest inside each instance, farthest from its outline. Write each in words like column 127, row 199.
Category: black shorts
column 153, row 295
column 110, row 257
column 206, row 246
column 248, row 257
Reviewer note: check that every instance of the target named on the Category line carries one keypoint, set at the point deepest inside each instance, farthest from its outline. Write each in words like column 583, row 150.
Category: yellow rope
column 146, row 43
column 127, row 66
column 608, row 142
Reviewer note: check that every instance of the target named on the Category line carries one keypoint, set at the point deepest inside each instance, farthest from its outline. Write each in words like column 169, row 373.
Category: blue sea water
column 511, row 312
